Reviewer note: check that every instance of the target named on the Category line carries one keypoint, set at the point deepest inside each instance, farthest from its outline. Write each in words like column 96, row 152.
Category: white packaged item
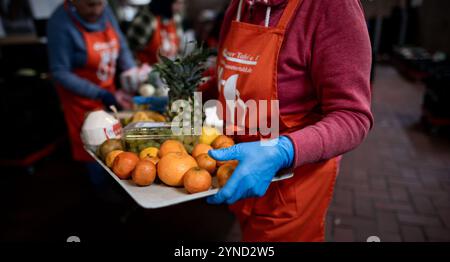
column 98, row 127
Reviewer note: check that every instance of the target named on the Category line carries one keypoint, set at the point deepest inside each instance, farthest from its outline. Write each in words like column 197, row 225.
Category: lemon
column 111, row 156
column 208, row 135
column 149, row 152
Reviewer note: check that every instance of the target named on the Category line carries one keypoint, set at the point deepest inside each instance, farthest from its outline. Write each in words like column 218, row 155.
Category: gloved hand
column 108, row 99
column 156, row 103
column 258, row 164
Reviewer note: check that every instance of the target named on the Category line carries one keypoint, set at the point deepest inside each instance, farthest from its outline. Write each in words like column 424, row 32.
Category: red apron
column 293, row 209
column 102, row 53
column 165, row 40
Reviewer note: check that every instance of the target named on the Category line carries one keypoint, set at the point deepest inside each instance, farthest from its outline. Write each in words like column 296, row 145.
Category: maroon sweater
column 324, row 66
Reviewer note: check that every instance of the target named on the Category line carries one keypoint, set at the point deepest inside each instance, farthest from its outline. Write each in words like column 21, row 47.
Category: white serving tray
column 160, row 195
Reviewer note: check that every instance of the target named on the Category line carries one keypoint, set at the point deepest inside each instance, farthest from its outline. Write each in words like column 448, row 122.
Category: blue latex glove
column 258, row 165
column 156, row 103
column 108, row 99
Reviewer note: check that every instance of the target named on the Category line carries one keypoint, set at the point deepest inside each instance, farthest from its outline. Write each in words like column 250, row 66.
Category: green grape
column 189, row 148
column 188, row 140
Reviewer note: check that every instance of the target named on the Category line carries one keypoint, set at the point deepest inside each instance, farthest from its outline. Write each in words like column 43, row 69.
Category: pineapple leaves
column 183, row 74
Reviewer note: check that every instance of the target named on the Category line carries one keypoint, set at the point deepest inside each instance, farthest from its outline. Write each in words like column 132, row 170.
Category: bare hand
column 124, row 99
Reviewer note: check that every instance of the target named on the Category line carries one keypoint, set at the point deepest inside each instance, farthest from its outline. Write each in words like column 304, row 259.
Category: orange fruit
column 111, row 156
column 226, row 144
column 222, row 139
column 230, row 162
column 224, row 173
column 173, row 166
column 197, row 180
column 200, row 149
column 206, row 162
column 144, row 174
column 124, row 164
column 171, row 146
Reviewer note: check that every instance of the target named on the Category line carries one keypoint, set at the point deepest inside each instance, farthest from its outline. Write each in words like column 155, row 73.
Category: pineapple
column 182, row 76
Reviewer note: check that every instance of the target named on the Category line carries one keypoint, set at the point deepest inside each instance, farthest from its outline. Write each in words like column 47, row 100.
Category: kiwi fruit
column 108, row 146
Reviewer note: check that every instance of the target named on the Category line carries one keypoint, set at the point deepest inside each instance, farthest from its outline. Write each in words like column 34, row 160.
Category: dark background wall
column 434, row 25
column 193, row 6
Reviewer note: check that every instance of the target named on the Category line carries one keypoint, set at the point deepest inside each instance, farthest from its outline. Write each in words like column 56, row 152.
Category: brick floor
column 412, row 234
column 396, row 185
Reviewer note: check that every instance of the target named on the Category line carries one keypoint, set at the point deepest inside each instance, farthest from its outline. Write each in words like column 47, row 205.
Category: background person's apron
column 293, row 209
column 164, row 41
column 102, row 53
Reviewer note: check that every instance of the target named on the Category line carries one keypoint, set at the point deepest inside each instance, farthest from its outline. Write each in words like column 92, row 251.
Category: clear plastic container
column 140, row 135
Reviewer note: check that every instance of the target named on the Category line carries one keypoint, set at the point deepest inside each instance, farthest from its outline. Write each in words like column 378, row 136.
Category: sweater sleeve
column 340, row 71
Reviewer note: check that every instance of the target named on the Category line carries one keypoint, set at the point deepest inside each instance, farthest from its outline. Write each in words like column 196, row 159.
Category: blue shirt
column 67, row 50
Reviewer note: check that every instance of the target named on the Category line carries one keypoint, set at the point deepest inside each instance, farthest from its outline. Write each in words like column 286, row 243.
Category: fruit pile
column 171, row 163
